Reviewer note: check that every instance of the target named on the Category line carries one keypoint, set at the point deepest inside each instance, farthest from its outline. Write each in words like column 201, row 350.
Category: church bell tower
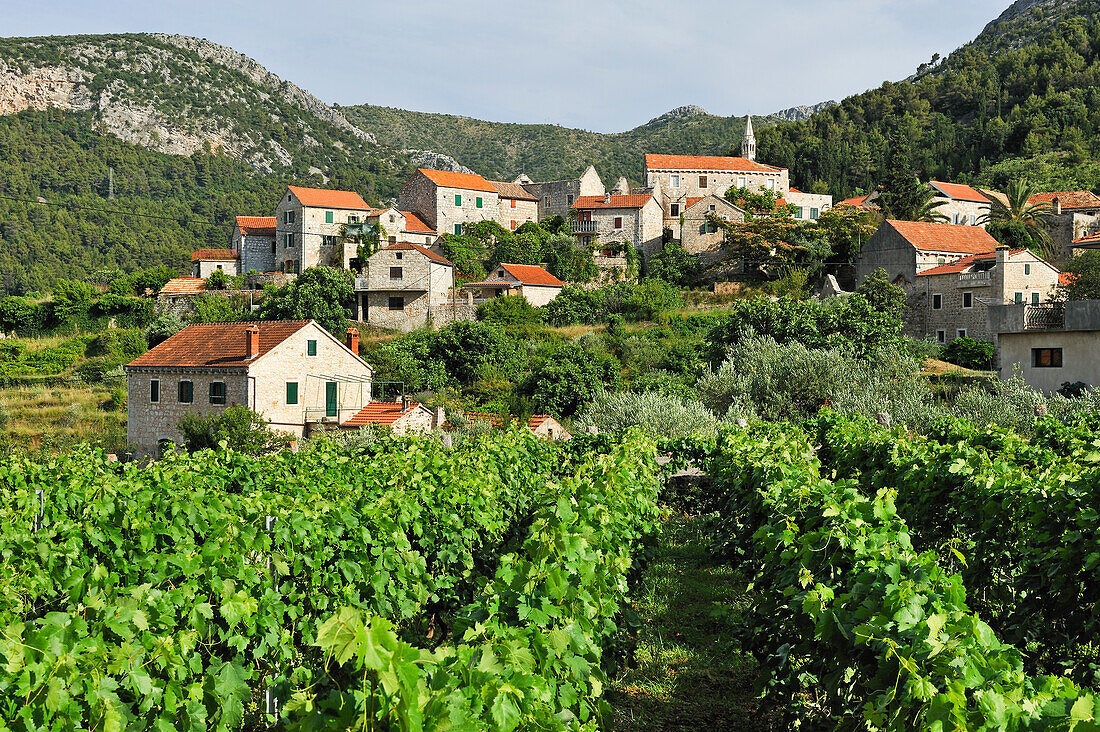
column 748, row 142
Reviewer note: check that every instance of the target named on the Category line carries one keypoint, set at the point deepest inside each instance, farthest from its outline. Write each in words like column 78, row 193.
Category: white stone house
column 205, row 262
column 698, row 235
column 405, row 286
column 400, row 226
column 961, row 204
column 605, row 223
column 403, row 417
column 517, row 205
column 808, row 206
column 253, row 238
column 906, row 248
column 533, row 283
column 1051, row 344
column 446, row 201
column 295, row 374
column 309, row 227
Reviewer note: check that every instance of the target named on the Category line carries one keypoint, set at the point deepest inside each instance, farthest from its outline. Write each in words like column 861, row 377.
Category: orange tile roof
column 1068, row 199
column 256, row 225
column 633, row 200
column 959, row 192
column 216, row 345
column 533, row 422
column 405, row 246
column 1090, row 239
column 958, row 265
column 449, row 179
column 792, row 189
column 325, row 198
column 929, row 237
column 512, row 190
column 383, row 413
column 706, row 162
column 184, row 286
column 217, row 255
column 414, row 224
column 530, row 274
column 692, row 200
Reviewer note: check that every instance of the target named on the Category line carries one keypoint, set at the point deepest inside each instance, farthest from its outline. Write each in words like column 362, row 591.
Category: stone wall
column 149, row 422
column 716, row 182
column 516, row 212
column 1079, row 362
column 310, row 230
column 418, row 196
column 257, row 252
column 891, row 251
column 699, row 237
column 962, row 213
column 804, row 204
column 205, row 267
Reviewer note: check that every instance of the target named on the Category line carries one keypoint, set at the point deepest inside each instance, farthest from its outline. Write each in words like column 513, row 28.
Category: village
column 959, row 281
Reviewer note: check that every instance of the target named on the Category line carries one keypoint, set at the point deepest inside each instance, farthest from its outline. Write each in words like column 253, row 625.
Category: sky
column 602, row 65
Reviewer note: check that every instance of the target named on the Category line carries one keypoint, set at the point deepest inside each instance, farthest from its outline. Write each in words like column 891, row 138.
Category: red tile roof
column 1085, row 240
column 633, row 200
column 692, row 200
column 706, row 162
column 533, row 422
column 184, row 286
column 792, row 189
column 530, row 274
column 929, row 237
column 217, row 255
column 1068, row 199
column 405, row 246
column 468, row 181
column 256, row 225
column 325, row 198
column 958, row 265
column 413, row 223
column 217, row 345
column 512, row 190
column 383, row 413
column 959, row 192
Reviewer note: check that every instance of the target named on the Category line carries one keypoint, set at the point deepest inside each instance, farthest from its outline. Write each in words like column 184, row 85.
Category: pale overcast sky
column 605, row 65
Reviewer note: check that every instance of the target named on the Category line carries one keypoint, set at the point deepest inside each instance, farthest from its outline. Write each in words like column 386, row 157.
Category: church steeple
column 748, row 142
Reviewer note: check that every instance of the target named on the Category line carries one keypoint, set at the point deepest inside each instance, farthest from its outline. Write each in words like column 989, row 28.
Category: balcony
column 585, row 227
column 1051, row 316
column 976, row 279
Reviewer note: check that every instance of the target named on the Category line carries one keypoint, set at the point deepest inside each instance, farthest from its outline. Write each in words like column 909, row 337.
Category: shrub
column 1073, row 390
column 318, row 293
column 970, row 353
column 239, row 428
column 163, row 327
column 117, row 346
column 509, row 310
column 884, row 295
column 568, row 377
column 1011, row 403
column 660, row 414
column 20, row 315
column 93, row 370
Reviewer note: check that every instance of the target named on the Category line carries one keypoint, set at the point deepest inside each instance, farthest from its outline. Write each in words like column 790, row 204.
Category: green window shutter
column 477, row 201
column 1027, row 268
column 328, row 217
column 311, row 348
column 458, row 199
column 1035, row 298
column 458, row 229
column 1019, row 297
column 330, row 399
column 292, row 392
column 297, row 266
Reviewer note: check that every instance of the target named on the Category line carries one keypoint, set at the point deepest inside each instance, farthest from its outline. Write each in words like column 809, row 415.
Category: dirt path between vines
column 688, row 672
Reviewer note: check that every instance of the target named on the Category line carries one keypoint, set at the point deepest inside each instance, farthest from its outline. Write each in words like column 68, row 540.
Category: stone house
column 309, row 227
column 701, row 237
column 178, row 295
column 542, row 425
column 952, row 300
column 865, row 203
column 404, row 417
column 906, row 248
column 205, row 262
column 253, row 238
column 295, row 374
column 533, row 283
column 517, row 205
column 445, row 201
column 400, row 226
column 808, row 206
column 404, row 286
column 962, row 205
column 1051, row 344
column 1072, row 215
column 607, row 223
column 556, row 197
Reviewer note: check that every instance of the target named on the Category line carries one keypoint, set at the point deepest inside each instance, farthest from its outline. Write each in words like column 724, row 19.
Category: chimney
column 405, row 401
column 607, row 198
column 253, row 332
column 1056, row 206
column 353, row 340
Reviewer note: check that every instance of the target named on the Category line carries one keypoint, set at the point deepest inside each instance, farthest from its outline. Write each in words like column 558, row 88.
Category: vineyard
column 939, row 582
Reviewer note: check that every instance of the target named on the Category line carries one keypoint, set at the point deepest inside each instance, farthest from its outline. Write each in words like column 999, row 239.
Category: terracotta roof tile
column 382, row 413
column 512, row 190
column 256, row 225
column 529, row 274
column 216, row 255
column 633, row 200
column 184, row 286
column 959, row 265
column 325, row 198
column 929, row 237
column 706, row 162
column 1086, row 240
column 415, row 224
column 222, row 345
column 858, row 202
column 449, row 179
column 959, row 192
column 1068, row 199
column 692, row 200
column 405, row 246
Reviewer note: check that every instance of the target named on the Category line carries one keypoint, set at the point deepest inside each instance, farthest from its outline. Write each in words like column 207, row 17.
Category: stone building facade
column 556, row 197
column 447, row 201
column 701, row 237
column 906, row 248
column 609, row 222
column 962, row 205
column 1051, row 344
column 205, row 262
column 403, row 417
column 808, row 206
column 295, row 374
column 253, row 238
column 405, row 287
column 675, row 178
column 517, row 205
column 533, row 283
column 308, row 227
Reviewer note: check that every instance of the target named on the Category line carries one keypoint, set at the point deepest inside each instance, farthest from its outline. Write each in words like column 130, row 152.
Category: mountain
column 800, row 113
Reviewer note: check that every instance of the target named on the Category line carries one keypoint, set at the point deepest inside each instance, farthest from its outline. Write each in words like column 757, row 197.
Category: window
column 297, row 266
column 219, row 266
column 331, row 394
column 328, row 217
column 588, row 241
column 1027, row 268
column 1046, row 358
column 770, row 184
column 512, row 225
column 397, row 303
column 956, row 219
column 941, row 337
column 397, row 255
column 740, row 182
column 712, row 207
column 392, row 240
column 311, row 347
column 513, row 202
column 675, row 181
column 674, row 209
column 570, row 200
column 546, row 201
column 937, row 301
column 272, row 246
column 354, row 218
column 396, row 273
column 288, row 239
column 458, row 199
column 798, row 212
column 186, row 392
column 968, row 299
column 458, row 229
column 477, row 202
column 1035, row 298
column 217, row 392
column 292, row 392
column 618, row 222
column 960, row 333
column 154, row 390
column 941, row 260
column 702, row 181
column 393, row 218
column 1018, row 298
column 814, row 213
column 288, row 217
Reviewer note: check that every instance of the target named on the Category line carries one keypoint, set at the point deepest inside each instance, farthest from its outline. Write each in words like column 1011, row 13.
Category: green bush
column 660, row 414
column 163, row 327
column 93, row 370
column 118, row 345
column 645, row 301
column 568, row 377
column 509, row 310
column 238, row 427
column 970, row 353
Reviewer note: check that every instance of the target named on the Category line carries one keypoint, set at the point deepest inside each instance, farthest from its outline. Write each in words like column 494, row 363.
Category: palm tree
column 1032, row 218
column 924, row 208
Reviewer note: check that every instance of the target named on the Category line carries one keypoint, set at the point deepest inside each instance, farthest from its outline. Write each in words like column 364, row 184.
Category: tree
column 884, row 295
column 674, row 265
column 163, row 327
column 903, row 196
column 238, row 427
column 846, row 228
column 569, row 377
column 319, row 293
column 509, row 310
column 1082, row 275
column 970, row 353
column 1018, row 222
